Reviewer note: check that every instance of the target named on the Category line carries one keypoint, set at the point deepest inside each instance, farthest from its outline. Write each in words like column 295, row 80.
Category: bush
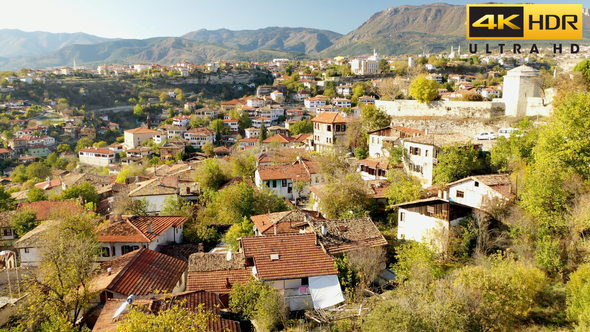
column 24, row 221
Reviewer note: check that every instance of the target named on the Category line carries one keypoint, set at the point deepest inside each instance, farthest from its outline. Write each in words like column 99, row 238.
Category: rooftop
column 347, row 234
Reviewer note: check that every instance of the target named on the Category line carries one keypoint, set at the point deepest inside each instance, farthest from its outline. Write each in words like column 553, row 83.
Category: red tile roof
column 298, row 256
column 295, row 172
column 331, row 117
column 140, row 272
column 212, row 272
column 135, row 228
column 97, row 150
column 292, row 219
column 45, row 208
column 279, row 138
column 141, row 130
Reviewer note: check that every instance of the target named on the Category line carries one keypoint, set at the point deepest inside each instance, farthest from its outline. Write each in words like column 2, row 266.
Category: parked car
column 506, row 132
column 485, row 135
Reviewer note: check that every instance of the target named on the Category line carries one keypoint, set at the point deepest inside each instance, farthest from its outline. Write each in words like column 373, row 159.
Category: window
column 402, row 216
column 127, row 249
column 106, row 252
column 476, row 184
column 290, row 189
column 343, row 127
column 274, row 183
column 284, row 183
column 337, row 127
column 305, row 281
column 425, row 153
column 460, row 194
column 26, row 250
column 7, row 231
column 329, row 128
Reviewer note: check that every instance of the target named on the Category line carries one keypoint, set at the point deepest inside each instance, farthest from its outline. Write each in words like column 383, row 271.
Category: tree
column 85, row 190
column 345, row 197
column 578, row 297
column 36, row 194
column 83, row 143
column 19, row 174
column 67, row 262
column 244, row 120
column 423, row 89
column 304, row 126
column 138, row 111
column 403, row 188
column 6, row 200
column 210, row 175
column 390, row 88
column 220, row 128
column 175, row 205
column 361, row 152
column 373, row 118
column 101, row 144
column 174, row 317
column 456, row 162
column 164, row 97
column 37, row 170
column 263, row 133
column 416, row 262
column 129, row 171
column 208, row 148
column 584, row 68
column 236, row 231
column 24, row 221
column 258, row 301
column 383, row 66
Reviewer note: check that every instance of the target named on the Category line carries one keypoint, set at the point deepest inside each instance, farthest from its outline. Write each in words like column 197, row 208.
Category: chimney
column 150, row 227
column 200, row 247
column 275, row 229
column 227, row 284
column 109, row 271
column 440, row 195
column 324, row 230
column 426, row 132
column 445, row 195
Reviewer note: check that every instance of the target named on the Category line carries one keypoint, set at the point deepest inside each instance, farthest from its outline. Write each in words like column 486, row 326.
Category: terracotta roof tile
column 332, row 117
column 279, row 138
column 289, row 219
column 347, row 234
column 140, row 272
column 5, row 218
column 141, row 130
column 212, row 272
column 135, row 228
column 295, row 172
column 298, row 256
column 45, row 208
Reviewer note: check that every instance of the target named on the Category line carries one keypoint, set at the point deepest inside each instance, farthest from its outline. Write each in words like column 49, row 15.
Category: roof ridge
column 137, row 229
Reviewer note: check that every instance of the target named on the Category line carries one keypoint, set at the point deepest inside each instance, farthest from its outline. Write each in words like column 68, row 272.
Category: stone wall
column 217, row 78
column 457, row 109
column 538, row 106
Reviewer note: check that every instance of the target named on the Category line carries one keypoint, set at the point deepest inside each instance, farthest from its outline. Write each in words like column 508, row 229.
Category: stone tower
column 520, row 84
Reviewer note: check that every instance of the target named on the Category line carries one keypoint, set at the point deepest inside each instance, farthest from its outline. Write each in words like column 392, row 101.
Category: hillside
column 415, row 29
column 302, row 40
column 14, row 43
column 162, row 50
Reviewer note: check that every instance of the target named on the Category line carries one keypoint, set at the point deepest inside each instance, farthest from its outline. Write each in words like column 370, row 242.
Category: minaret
column 459, row 51
column 149, row 122
column 74, row 64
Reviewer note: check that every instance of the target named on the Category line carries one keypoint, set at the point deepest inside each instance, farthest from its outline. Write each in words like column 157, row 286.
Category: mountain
column 415, row 29
column 302, row 40
column 15, row 42
column 162, row 50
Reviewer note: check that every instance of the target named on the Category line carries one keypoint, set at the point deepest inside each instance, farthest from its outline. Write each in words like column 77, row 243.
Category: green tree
column 304, row 126
column 208, row 148
column 36, row 194
column 129, row 171
column 578, row 297
column 176, row 206
column 362, row 152
column 584, row 68
column 67, row 264
column 6, row 201
column 37, row 170
column 85, row 190
column 236, row 231
column 258, row 301
column 423, row 89
column 174, row 317
column 210, row 175
column 139, row 111
column 403, row 188
column 101, row 144
column 416, row 262
column 345, row 197
column 220, row 128
column 164, row 97
column 456, row 162
column 263, row 133
column 83, row 143
column 19, row 174
column 24, row 221
column 383, row 66
column 64, row 148
column 244, row 120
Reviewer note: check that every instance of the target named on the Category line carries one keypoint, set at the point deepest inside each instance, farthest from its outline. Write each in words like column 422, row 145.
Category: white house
column 96, row 156
column 314, row 102
column 341, row 102
column 157, row 190
column 257, row 122
column 181, row 120
column 123, row 234
column 481, row 191
column 28, row 245
column 421, row 153
column 233, row 124
column 200, row 136
column 381, row 140
column 281, row 178
column 424, row 220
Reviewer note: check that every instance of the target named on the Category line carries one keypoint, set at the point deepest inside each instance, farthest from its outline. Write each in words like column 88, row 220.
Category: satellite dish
column 228, row 256
column 124, row 306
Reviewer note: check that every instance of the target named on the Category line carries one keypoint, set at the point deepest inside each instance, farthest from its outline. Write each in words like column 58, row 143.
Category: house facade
column 328, row 129
column 96, row 156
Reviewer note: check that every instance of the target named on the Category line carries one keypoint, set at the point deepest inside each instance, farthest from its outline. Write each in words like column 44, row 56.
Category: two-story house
column 381, row 140
column 134, row 137
column 123, row 234
column 198, row 137
column 181, row 120
column 96, row 156
column 281, row 179
column 328, row 129
column 156, row 191
column 314, row 102
column 421, row 153
column 482, row 191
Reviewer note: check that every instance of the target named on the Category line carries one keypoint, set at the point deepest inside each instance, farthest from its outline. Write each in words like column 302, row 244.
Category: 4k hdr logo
column 524, row 21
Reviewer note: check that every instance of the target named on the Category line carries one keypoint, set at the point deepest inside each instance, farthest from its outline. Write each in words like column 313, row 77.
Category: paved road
column 114, row 109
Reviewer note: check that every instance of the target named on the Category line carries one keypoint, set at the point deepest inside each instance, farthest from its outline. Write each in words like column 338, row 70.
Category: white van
column 506, row 132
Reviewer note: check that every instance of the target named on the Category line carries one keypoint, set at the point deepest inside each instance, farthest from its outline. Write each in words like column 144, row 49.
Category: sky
column 142, row 19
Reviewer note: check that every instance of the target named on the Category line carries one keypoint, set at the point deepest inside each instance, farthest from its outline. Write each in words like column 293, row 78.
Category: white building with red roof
column 328, row 129
column 96, row 156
